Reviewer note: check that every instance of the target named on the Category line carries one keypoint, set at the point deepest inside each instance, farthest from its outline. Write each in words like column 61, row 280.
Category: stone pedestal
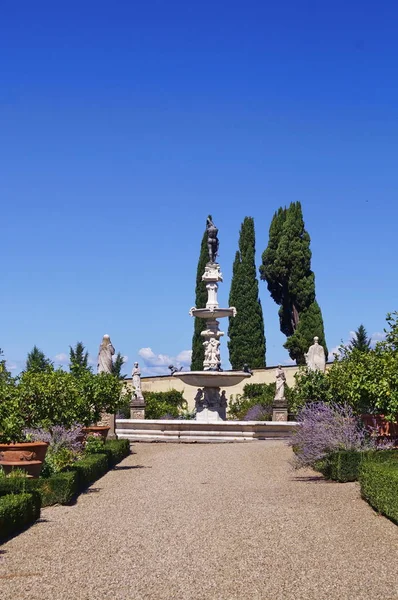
column 211, row 405
column 137, row 408
column 108, row 420
column 279, row 410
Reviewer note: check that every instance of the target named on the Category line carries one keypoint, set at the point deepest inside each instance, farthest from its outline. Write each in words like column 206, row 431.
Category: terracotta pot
column 28, row 456
column 102, row 429
column 383, row 427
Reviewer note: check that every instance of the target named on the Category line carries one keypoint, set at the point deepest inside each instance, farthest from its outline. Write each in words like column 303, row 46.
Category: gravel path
column 217, row 521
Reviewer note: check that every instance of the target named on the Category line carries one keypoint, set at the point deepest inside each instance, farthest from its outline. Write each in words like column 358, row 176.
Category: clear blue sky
column 123, row 124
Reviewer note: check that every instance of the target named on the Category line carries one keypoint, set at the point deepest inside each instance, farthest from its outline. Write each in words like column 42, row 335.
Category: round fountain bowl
column 212, row 379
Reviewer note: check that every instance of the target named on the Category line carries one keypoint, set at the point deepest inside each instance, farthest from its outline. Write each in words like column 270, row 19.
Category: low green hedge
column 345, row 465
column 57, row 489
column 89, row 469
column 17, row 511
column 116, row 450
column 379, row 486
column 341, row 466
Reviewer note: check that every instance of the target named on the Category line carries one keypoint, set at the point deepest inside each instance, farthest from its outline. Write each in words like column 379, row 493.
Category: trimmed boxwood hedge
column 62, row 488
column 17, row 511
column 379, row 486
column 345, row 465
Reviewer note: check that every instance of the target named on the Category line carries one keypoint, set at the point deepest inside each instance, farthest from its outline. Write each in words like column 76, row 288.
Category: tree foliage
column 246, row 330
column 360, row 341
column 117, row 366
column 366, row 381
column 78, row 360
column 286, row 266
column 37, row 362
column 198, row 354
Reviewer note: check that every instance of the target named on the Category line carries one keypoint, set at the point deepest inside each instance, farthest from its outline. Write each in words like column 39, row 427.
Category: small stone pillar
column 137, row 404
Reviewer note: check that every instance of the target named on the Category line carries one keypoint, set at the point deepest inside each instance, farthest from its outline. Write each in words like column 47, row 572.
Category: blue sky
column 123, row 124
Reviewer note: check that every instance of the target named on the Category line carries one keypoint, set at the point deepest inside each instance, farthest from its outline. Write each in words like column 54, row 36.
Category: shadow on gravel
column 91, row 491
column 313, row 479
column 127, row 468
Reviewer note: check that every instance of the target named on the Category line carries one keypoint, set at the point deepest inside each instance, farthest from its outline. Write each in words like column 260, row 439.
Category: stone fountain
column 210, row 400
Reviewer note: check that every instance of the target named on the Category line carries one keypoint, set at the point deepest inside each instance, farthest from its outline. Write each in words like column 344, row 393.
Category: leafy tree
column 37, row 362
column 246, row 330
column 360, row 340
column 78, row 357
column 4, row 372
column 286, row 267
column 198, row 354
column 117, row 366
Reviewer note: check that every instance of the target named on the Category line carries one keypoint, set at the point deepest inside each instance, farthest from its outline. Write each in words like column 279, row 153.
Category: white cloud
column 378, row 336
column 61, row 358
column 11, row 366
column 157, row 364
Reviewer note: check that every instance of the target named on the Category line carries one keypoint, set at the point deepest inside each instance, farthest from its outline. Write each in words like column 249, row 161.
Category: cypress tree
column 36, row 362
column 117, row 365
column 360, row 341
column 198, row 353
column 287, row 269
column 78, row 359
column 246, row 330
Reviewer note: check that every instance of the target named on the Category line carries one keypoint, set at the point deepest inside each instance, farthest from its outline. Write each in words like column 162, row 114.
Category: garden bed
column 22, row 497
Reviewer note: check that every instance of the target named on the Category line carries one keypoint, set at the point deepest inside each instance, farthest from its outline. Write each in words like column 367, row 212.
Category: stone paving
column 198, row 522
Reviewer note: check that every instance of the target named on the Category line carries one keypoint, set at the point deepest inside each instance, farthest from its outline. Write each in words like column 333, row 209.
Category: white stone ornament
column 105, row 353
column 315, row 357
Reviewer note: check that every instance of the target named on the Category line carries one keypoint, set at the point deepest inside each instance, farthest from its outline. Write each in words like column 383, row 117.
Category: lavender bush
column 258, row 413
column 64, row 448
column 326, row 428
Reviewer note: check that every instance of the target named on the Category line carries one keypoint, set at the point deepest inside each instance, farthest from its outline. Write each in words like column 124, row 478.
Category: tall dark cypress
column 246, row 330
column 198, row 353
column 287, row 269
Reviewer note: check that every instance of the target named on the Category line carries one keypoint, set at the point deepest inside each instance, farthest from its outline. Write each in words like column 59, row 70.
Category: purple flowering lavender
column 58, row 437
column 326, row 428
column 257, row 413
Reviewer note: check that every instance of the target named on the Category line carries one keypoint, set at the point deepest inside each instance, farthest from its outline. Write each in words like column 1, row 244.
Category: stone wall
column 165, row 383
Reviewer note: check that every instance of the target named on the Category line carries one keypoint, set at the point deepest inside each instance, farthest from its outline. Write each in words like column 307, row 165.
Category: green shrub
column 160, row 404
column 89, row 469
column 341, row 466
column 57, row 489
column 379, row 486
column 17, row 511
column 95, row 444
column 116, row 450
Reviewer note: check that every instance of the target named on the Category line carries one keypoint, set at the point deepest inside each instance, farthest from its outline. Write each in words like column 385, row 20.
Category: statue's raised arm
column 212, row 240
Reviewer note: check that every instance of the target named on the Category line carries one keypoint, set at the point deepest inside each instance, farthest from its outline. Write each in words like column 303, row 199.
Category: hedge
column 345, row 465
column 379, row 486
column 341, row 466
column 62, row 488
column 116, row 450
column 17, row 511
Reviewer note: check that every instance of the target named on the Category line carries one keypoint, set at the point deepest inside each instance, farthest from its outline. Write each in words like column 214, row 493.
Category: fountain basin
column 212, row 379
column 208, row 313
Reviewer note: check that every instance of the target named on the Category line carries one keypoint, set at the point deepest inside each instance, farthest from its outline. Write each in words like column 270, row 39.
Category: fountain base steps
column 190, row 431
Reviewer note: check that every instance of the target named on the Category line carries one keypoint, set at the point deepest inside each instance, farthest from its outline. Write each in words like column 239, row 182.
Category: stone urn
column 28, row 456
column 101, row 429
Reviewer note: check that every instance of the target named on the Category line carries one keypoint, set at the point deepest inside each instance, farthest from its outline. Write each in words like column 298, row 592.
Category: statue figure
column 136, row 376
column 315, row 357
column 212, row 240
column 106, row 351
column 280, row 383
column 212, row 355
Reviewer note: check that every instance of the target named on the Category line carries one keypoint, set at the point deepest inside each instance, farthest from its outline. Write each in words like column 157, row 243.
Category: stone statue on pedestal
column 105, row 353
column 136, row 381
column 315, row 357
column 280, row 383
column 212, row 240
column 137, row 404
column 104, row 365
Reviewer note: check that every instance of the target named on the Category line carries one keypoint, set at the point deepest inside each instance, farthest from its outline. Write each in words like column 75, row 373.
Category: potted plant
column 98, row 394
column 16, row 452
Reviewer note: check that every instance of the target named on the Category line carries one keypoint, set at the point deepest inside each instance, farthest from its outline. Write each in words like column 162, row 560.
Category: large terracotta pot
column 101, row 429
column 28, row 456
column 383, row 428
